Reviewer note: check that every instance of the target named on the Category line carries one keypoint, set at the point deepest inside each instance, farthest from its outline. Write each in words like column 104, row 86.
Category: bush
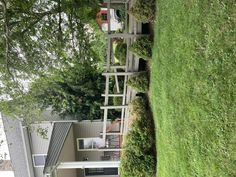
column 117, row 101
column 144, row 11
column 138, row 158
column 139, row 82
column 142, row 47
column 120, row 52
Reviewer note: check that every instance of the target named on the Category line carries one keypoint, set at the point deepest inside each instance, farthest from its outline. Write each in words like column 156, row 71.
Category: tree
column 45, row 42
column 42, row 35
column 73, row 92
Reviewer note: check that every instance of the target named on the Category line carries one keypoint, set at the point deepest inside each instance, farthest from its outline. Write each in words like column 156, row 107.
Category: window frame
column 35, row 155
column 94, row 147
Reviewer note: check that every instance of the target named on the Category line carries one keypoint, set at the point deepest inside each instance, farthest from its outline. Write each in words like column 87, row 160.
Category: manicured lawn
column 193, row 88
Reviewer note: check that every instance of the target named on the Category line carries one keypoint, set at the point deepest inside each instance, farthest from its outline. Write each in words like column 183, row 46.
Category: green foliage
column 117, row 101
column 120, row 11
column 23, row 106
column 42, row 132
column 144, row 11
column 99, row 43
column 43, row 35
column 44, row 39
column 120, row 52
column 138, row 157
column 142, row 47
column 75, row 92
column 139, row 82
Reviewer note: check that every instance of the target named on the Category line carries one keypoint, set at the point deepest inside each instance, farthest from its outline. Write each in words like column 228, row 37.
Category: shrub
column 139, row 82
column 138, row 158
column 142, row 47
column 144, row 11
column 117, row 101
column 120, row 52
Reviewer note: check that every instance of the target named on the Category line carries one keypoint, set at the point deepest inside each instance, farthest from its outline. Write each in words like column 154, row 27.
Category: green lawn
column 193, row 88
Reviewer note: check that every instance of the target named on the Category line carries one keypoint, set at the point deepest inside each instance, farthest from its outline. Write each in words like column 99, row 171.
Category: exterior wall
column 66, row 173
column 39, row 144
column 67, row 155
column 88, row 129
column 38, row 171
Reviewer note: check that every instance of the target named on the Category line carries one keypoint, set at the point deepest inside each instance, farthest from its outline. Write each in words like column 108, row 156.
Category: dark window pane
column 81, row 144
column 104, row 17
column 39, row 160
column 101, row 171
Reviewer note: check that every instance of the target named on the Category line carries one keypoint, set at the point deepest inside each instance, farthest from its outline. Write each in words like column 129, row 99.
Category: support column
column 88, row 164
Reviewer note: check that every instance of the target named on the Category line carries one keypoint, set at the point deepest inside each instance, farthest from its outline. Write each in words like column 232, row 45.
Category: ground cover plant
column 138, row 157
column 193, row 83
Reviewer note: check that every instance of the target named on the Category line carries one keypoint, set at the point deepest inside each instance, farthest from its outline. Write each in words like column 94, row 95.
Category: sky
column 6, row 174
column 4, row 150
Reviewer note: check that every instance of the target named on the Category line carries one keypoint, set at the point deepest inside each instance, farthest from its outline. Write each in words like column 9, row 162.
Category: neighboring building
column 27, row 148
column 102, row 20
column 5, row 165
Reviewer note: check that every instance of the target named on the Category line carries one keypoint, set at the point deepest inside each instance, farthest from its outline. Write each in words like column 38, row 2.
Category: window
column 104, row 17
column 89, row 143
column 39, row 160
column 100, row 171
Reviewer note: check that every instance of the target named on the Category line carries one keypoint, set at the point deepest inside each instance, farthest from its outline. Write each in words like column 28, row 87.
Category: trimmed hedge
column 142, row 47
column 138, row 158
column 139, row 82
column 144, row 11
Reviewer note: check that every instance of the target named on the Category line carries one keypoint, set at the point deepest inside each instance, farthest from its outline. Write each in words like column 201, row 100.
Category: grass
column 193, row 88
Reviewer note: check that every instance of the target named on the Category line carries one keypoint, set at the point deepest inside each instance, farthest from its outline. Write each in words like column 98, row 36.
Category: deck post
column 113, row 95
column 114, row 107
column 118, row 73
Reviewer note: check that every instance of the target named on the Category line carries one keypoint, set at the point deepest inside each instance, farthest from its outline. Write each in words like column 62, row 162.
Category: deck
column 132, row 30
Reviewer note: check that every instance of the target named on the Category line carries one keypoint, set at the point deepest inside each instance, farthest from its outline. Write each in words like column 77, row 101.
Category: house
column 102, row 20
column 77, row 149
column 69, row 149
column 27, row 148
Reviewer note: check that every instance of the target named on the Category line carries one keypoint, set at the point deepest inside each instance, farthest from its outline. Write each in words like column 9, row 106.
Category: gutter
column 26, row 153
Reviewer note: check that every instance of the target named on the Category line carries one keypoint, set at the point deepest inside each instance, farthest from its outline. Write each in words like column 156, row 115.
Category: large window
column 100, row 171
column 89, row 143
column 39, row 160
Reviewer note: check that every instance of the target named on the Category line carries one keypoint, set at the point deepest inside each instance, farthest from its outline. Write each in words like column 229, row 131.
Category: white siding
column 40, row 145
